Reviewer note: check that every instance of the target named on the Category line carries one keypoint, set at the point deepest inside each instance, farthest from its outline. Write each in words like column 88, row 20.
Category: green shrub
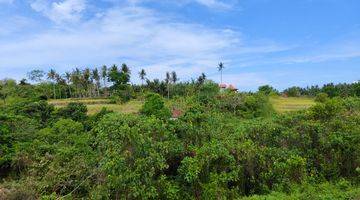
column 321, row 97
column 154, row 106
column 75, row 111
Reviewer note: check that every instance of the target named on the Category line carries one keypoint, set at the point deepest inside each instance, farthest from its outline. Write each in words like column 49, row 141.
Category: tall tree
column 52, row 77
column 68, row 82
column 174, row 77
column 221, row 68
column 36, row 75
column 86, row 80
column 168, row 80
column 96, row 77
column 201, row 79
column 76, row 80
column 125, row 74
column 104, row 74
column 142, row 75
column 59, row 81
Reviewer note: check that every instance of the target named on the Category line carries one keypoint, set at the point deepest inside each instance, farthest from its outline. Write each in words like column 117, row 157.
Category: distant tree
column 174, row 77
column 3, row 94
column 23, row 82
column 86, row 80
column 168, row 81
column 267, row 90
column 120, row 80
column 125, row 74
column 96, row 77
column 293, row 92
column 201, row 79
column 36, row 75
column 114, row 76
column 142, row 75
column 221, row 68
column 68, row 81
column 52, row 77
column 104, row 74
column 76, row 80
column 60, row 81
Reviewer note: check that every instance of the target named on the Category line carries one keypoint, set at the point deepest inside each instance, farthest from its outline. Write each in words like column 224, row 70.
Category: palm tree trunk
column 221, row 77
column 168, row 90
column 69, row 90
column 54, row 89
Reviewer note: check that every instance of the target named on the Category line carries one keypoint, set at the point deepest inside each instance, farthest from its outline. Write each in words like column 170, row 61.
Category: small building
column 222, row 85
column 230, row 87
column 175, row 114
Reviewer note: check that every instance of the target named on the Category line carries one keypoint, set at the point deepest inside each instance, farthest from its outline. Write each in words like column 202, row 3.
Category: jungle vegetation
column 224, row 144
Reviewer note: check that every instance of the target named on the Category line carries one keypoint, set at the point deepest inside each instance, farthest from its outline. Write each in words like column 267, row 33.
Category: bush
column 207, row 92
column 74, row 111
column 327, row 110
column 154, row 106
column 321, row 97
column 267, row 90
column 293, row 92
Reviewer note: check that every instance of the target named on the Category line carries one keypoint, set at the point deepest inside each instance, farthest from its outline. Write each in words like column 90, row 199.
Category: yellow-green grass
column 95, row 105
column 128, row 108
column 287, row 104
column 87, row 101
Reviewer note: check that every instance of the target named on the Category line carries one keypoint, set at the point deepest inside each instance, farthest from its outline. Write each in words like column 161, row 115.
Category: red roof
column 223, row 85
column 231, row 87
column 176, row 113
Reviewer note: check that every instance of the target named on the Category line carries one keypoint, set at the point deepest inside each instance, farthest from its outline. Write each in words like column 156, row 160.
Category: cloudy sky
column 277, row 42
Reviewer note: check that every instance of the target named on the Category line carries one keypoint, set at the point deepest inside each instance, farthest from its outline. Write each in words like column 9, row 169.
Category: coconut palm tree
column 86, row 80
column 142, row 75
column 104, row 74
column 174, row 77
column 221, row 68
column 96, row 77
column 168, row 81
column 52, row 77
column 68, row 81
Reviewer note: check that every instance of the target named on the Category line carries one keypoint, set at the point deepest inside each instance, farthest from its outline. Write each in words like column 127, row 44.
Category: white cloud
column 132, row 34
column 214, row 4
column 141, row 37
column 63, row 11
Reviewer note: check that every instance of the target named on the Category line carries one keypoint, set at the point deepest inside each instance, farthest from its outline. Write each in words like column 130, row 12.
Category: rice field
column 287, row 104
column 281, row 104
column 95, row 105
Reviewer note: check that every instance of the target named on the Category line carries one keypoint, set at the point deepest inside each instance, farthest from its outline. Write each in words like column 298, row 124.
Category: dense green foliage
column 332, row 90
column 225, row 145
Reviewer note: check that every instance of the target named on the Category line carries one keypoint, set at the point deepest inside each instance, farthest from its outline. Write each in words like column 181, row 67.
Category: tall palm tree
column 142, row 75
column 126, row 73
column 168, row 81
column 59, row 81
column 221, row 68
column 68, row 81
column 104, row 74
column 76, row 80
column 52, row 77
column 96, row 77
column 174, row 77
column 86, row 80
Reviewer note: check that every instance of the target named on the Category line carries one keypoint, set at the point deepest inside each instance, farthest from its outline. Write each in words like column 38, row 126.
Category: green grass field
column 281, row 104
column 286, row 104
column 95, row 105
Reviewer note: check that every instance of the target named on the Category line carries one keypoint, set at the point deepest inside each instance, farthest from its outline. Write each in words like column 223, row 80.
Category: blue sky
column 278, row 42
